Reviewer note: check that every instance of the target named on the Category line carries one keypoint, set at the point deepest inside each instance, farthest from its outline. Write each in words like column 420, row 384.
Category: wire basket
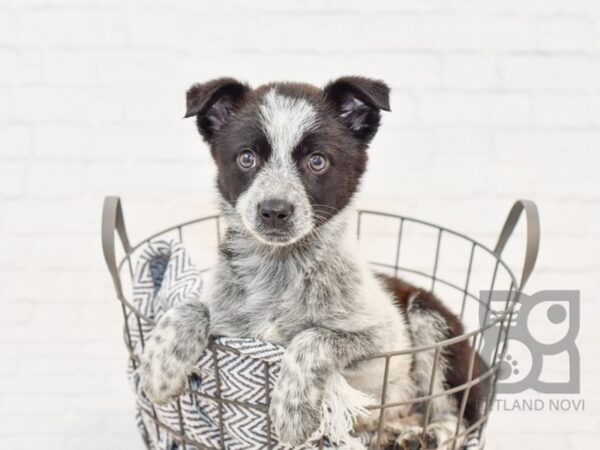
column 454, row 266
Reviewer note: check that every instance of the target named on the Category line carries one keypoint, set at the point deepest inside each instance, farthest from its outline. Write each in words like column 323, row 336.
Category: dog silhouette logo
column 541, row 352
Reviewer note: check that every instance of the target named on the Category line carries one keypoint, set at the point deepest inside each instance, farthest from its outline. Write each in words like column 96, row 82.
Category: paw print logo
column 542, row 332
column 508, row 367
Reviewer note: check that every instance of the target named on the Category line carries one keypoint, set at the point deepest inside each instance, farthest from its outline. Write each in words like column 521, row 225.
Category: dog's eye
column 247, row 159
column 317, row 163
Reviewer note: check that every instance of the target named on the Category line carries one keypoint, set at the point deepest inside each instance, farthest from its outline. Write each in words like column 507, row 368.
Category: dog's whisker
column 326, row 206
column 323, row 215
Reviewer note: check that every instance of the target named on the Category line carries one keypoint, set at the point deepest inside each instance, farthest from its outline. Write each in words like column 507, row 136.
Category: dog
column 290, row 157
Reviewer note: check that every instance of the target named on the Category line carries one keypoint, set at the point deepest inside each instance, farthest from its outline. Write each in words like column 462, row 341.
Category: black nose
column 275, row 213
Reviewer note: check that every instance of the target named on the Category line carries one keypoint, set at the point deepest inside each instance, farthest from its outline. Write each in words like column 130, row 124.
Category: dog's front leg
column 311, row 358
column 173, row 347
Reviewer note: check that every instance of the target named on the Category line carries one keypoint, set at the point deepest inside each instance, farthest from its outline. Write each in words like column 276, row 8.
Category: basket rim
column 512, row 299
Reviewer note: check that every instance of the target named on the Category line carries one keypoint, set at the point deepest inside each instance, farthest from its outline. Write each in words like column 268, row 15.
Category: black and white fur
column 291, row 280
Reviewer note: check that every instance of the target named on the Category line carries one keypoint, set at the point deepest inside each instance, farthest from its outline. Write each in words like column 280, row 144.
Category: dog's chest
column 284, row 294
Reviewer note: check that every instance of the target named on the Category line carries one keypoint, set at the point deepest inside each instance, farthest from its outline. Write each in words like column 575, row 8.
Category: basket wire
column 113, row 221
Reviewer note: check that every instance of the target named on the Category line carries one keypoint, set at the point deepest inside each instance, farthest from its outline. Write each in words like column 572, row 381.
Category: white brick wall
column 493, row 100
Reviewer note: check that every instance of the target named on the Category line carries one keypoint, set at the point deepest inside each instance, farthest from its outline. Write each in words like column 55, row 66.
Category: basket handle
column 112, row 220
column 533, row 235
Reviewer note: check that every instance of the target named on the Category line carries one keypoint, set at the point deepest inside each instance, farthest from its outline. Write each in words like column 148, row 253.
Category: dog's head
column 290, row 156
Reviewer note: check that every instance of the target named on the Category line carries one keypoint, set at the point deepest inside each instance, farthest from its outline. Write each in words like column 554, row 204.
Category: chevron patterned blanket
column 165, row 276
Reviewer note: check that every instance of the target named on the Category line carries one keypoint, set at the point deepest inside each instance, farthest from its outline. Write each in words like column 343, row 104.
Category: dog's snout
column 274, row 213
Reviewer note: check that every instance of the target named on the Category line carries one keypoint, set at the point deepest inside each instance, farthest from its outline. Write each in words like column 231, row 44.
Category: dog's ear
column 213, row 103
column 357, row 101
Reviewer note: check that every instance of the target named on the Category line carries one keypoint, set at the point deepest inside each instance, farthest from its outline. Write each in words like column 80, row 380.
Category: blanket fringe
column 343, row 405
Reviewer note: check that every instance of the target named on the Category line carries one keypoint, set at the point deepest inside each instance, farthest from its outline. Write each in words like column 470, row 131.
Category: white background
column 492, row 101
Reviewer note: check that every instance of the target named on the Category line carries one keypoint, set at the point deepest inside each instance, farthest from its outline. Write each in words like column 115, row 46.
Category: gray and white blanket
column 247, row 369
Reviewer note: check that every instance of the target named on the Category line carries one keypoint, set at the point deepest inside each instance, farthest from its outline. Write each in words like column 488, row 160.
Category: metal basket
column 458, row 281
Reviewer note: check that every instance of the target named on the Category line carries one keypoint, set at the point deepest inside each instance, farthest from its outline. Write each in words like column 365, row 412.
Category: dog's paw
column 173, row 347
column 294, row 421
column 163, row 376
column 392, row 428
column 414, row 439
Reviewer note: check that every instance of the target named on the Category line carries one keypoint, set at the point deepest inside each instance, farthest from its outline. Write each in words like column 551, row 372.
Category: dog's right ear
column 213, row 103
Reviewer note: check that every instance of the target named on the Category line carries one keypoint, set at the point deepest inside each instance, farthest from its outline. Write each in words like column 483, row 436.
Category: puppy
column 290, row 158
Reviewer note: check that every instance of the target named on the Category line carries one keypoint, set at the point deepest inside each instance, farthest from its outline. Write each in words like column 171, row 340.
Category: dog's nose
column 275, row 213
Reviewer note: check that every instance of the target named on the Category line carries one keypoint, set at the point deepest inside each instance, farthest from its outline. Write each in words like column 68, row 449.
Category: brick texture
column 492, row 101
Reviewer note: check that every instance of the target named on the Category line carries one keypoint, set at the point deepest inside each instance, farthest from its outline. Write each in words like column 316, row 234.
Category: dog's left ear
column 357, row 101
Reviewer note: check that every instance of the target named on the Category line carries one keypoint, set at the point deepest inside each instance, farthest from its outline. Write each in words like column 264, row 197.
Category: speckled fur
column 310, row 293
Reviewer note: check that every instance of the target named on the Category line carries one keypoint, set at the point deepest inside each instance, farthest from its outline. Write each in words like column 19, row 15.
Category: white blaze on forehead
column 285, row 120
